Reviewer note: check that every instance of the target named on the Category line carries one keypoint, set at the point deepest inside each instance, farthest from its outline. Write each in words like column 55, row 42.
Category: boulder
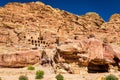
column 98, row 49
column 100, row 55
column 20, row 58
column 92, row 49
column 93, row 53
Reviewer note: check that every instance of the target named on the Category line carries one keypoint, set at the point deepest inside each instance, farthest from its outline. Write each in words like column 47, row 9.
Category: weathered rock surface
column 94, row 55
column 19, row 20
column 20, row 59
column 92, row 49
column 23, row 19
column 39, row 26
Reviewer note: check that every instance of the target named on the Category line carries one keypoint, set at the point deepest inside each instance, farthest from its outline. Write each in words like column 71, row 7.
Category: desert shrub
column 22, row 77
column 39, row 74
column 31, row 68
column 59, row 77
column 111, row 77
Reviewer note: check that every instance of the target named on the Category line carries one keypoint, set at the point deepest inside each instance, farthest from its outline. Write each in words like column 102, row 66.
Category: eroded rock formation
column 93, row 54
column 30, row 23
column 20, row 59
column 35, row 25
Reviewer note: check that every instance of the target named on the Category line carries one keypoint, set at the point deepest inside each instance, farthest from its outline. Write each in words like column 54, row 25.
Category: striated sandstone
column 20, row 59
column 35, row 16
column 35, row 25
column 94, row 54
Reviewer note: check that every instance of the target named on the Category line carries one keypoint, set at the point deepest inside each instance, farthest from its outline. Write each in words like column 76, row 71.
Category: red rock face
column 91, row 50
column 100, row 50
column 95, row 48
column 20, row 59
column 20, row 19
column 109, row 53
column 92, row 53
column 3, row 38
column 31, row 25
column 36, row 17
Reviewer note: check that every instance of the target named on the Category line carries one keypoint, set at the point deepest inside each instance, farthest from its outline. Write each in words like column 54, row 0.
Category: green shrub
column 23, row 77
column 31, row 68
column 111, row 77
column 59, row 77
column 39, row 74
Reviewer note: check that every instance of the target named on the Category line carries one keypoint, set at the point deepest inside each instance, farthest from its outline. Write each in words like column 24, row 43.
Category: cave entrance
column 97, row 67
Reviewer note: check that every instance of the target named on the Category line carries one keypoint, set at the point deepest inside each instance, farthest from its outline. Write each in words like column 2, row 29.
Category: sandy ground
column 13, row 74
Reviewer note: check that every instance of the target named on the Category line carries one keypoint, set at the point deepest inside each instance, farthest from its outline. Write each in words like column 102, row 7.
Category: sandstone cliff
column 35, row 25
column 20, row 59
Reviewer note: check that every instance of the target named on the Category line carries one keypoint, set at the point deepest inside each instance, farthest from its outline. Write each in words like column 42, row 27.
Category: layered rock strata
column 20, row 59
column 35, row 25
column 93, row 54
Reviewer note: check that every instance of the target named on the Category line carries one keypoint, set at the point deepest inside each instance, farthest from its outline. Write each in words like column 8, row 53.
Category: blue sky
column 104, row 8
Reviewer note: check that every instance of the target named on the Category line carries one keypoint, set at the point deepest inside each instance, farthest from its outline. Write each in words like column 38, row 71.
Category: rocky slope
column 35, row 25
column 29, row 23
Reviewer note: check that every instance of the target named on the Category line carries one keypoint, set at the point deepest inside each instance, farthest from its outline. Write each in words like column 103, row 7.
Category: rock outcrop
column 29, row 24
column 19, row 20
column 20, row 59
column 35, row 25
column 93, row 54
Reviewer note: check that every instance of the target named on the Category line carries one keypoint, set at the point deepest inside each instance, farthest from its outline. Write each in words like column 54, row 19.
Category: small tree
column 23, row 77
column 59, row 77
column 31, row 67
column 39, row 74
column 111, row 77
